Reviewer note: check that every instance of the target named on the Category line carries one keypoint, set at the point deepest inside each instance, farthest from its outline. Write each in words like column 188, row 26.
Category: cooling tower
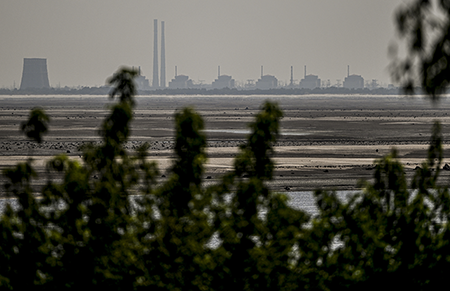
column 163, row 57
column 34, row 74
column 155, row 83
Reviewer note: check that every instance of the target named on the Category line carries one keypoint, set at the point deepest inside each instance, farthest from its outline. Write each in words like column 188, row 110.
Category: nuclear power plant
column 34, row 74
column 266, row 82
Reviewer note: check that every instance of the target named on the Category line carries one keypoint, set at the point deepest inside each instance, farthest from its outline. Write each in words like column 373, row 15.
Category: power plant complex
column 265, row 82
column 35, row 75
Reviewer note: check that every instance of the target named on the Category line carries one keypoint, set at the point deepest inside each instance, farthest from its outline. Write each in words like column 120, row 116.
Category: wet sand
column 326, row 142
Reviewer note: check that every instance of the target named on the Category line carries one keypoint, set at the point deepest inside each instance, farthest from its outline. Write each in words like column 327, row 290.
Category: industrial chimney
column 292, row 76
column 163, row 57
column 34, row 74
column 155, row 83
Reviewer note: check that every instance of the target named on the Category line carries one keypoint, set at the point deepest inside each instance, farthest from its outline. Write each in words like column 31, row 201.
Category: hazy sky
column 85, row 41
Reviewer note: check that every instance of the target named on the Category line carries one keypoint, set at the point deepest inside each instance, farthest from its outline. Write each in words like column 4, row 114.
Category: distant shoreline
column 192, row 91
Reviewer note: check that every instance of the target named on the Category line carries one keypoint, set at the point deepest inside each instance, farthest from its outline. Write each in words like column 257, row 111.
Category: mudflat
column 326, row 142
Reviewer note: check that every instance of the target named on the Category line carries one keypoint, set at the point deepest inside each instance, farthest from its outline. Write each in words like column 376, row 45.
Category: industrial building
column 223, row 81
column 266, row 81
column 310, row 81
column 353, row 81
column 180, row 82
column 34, row 74
column 141, row 82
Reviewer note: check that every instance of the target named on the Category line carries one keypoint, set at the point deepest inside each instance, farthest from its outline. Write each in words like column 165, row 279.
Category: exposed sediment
column 325, row 142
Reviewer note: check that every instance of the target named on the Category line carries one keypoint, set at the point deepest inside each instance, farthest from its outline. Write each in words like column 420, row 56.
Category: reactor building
column 310, row 82
column 266, row 82
column 353, row 81
column 34, row 74
column 222, row 81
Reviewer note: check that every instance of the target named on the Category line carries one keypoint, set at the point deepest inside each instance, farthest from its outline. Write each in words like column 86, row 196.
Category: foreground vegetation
column 84, row 230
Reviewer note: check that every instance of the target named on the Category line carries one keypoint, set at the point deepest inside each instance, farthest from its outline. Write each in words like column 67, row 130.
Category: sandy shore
column 326, row 142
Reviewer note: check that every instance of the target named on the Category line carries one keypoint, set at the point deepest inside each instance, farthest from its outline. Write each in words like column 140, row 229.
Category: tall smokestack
column 218, row 72
column 305, row 72
column 292, row 76
column 348, row 71
column 176, row 71
column 155, row 83
column 163, row 57
column 262, row 71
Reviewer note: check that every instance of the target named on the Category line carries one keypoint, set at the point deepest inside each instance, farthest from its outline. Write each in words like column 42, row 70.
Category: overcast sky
column 85, row 41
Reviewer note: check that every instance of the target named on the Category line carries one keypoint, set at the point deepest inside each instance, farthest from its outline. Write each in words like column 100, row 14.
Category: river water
column 298, row 200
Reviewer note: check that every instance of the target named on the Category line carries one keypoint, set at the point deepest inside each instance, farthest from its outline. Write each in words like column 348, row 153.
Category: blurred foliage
column 424, row 25
column 106, row 221
column 36, row 125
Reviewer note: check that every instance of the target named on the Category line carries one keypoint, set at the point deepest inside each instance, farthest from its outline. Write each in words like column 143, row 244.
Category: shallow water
column 244, row 131
column 305, row 200
column 299, row 200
